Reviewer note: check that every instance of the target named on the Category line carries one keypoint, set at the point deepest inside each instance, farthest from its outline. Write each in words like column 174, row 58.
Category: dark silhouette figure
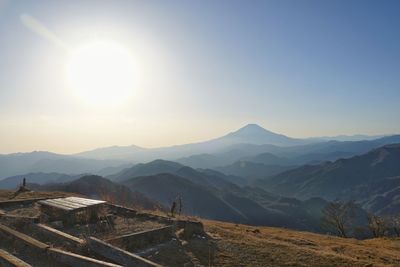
column 180, row 205
column 22, row 188
column 173, row 208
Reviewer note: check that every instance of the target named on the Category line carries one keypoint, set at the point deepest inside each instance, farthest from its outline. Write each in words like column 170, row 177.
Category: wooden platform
column 71, row 203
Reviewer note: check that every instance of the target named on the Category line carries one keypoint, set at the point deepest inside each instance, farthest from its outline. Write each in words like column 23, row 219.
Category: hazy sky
column 202, row 68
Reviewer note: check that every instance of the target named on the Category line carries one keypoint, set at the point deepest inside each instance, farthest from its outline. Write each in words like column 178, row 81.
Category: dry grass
column 8, row 194
column 240, row 245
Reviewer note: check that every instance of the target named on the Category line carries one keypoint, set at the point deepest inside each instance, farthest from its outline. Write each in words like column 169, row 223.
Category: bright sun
column 101, row 73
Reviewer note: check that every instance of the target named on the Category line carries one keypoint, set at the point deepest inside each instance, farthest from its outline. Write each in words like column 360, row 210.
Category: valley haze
column 247, row 141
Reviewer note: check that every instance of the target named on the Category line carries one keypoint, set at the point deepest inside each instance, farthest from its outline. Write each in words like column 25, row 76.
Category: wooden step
column 118, row 255
column 72, row 259
column 23, row 237
column 9, row 260
column 58, row 234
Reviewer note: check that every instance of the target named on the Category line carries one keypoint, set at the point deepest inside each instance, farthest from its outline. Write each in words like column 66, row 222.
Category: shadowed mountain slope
column 101, row 188
column 144, row 169
column 295, row 155
column 215, row 198
column 252, row 170
column 330, row 179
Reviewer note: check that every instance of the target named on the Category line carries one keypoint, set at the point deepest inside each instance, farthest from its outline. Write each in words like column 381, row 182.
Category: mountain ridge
column 330, row 179
column 209, row 154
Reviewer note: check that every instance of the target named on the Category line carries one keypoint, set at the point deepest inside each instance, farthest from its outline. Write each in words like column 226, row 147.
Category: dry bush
column 393, row 224
column 338, row 216
column 377, row 225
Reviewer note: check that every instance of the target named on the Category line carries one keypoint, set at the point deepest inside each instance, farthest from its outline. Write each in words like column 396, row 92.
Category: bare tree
column 377, row 225
column 393, row 223
column 338, row 216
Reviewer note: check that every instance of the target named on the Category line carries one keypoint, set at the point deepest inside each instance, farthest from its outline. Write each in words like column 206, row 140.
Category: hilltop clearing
column 241, row 245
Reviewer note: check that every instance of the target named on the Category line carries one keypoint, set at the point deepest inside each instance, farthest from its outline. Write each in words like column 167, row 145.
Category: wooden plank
column 71, row 203
column 45, row 203
column 72, row 259
column 56, row 205
column 61, row 202
column 79, row 205
column 59, row 234
column 118, row 255
column 164, row 228
column 9, row 260
column 23, row 237
column 140, row 240
column 65, row 203
column 85, row 200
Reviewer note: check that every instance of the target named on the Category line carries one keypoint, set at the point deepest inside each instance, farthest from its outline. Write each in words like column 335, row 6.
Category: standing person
column 173, row 207
column 180, row 205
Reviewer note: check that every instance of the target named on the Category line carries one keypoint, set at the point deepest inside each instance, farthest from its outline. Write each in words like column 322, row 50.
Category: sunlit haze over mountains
column 200, row 133
column 79, row 75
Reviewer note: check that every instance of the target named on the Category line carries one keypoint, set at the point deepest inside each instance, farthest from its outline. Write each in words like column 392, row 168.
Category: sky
column 197, row 70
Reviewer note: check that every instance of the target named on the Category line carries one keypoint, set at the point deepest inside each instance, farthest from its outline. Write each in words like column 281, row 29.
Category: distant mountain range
column 249, row 134
column 245, row 140
column 38, row 178
column 250, row 191
column 297, row 155
column 372, row 179
column 356, row 137
column 41, row 161
column 251, row 143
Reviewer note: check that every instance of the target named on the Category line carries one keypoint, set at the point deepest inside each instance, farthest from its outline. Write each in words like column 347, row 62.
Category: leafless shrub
column 338, row 216
column 377, row 225
column 393, row 224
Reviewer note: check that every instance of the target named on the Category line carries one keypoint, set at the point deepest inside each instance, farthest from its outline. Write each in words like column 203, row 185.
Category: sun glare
column 101, row 73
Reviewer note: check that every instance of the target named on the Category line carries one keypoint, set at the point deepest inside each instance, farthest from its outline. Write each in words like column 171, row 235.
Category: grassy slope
column 240, row 245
